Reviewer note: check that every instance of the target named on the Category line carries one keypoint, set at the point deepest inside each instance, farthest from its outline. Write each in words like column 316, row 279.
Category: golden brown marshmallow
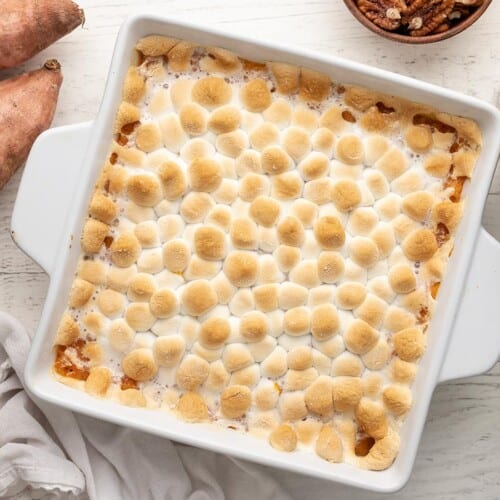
column 318, row 396
column 192, row 407
column 148, row 137
column 402, row 279
column 93, row 235
column 80, row 293
column 198, row 297
column 252, row 186
column 349, row 150
column 195, row 206
column 347, row 364
column 364, row 251
column 350, row 295
column 283, row 438
column 139, row 317
column 125, row 250
column 419, row 138
column 67, row 331
column 220, row 216
column 324, row 322
column 275, row 161
column 110, row 303
column 372, row 418
column 314, row 86
column 403, row 371
column 235, row 400
column 300, row 358
column 438, row 165
column 173, row 179
column 345, row 194
column 332, row 119
column 420, row 245
column 210, row 243
column 193, row 119
column 169, row 350
column 232, row 144
column 330, row 266
column 214, row 332
column 347, row 393
column 204, row 174
column 417, row 205
column 286, row 257
column 264, row 211
column 98, row 381
column 211, row 92
column 291, row 232
column 360, row 337
column 241, row 268
column 329, row 232
column 254, row 326
column 192, row 372
column 297, row 321
column 409, row 344
column 176, row 255
column 286, row 77
column 315, row 165
column 255, row 95
column 296, row 142
column 287, row 186
column 243, row 234
column 141, row 287
column 464, row 163
column 397, row 399
column 224, row 119
column 164, row 303
column 144, row 190
column 102, row 208
column 329, row 445
column 447, row 213
column 139, row 365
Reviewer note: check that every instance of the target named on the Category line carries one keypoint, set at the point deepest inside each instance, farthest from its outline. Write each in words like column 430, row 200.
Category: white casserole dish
column 52, row 204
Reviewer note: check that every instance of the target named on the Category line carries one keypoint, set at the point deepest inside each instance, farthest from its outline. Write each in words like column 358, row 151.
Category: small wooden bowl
column 437, row 37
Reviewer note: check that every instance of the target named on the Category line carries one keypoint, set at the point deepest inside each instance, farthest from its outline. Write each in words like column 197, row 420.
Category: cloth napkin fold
column 47, row 452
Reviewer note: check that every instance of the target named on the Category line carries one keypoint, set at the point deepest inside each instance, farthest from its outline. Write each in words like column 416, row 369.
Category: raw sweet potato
column 29, row 26
column 27, row 105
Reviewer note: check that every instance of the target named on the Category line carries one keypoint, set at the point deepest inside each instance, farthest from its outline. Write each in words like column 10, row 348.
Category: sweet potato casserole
column 264, row 249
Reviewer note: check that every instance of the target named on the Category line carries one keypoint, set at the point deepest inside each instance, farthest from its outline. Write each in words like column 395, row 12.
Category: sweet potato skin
column 29, row 26
column 27, row 105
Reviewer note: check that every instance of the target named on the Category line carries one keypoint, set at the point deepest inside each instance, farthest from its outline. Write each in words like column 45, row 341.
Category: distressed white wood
column 460, row 454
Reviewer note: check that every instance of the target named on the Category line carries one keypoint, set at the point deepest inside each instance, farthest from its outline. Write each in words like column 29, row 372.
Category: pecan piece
column 384, row 13
column 423, row 17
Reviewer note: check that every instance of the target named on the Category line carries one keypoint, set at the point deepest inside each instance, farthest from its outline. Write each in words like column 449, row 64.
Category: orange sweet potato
column 29, row 26
column 27, row 105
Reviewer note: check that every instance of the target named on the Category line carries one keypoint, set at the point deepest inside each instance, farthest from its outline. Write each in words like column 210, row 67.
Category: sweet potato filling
column 457, row 184
column 363, row 446
column 66, row 367
column 128, row 128
column 127, row 383
column 435, row 289
column 444, row 128
column 442, row 234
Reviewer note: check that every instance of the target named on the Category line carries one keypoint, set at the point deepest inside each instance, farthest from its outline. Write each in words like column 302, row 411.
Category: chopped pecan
column 423, row 17
column 384, row 13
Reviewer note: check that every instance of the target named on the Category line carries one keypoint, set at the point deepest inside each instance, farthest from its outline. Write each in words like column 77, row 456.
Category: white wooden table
column 460, row 452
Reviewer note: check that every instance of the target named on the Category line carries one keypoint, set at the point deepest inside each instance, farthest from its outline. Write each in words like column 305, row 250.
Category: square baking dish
column 47, row 222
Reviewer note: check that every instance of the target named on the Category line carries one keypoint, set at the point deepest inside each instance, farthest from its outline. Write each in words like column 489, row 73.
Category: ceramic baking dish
column 52, row 204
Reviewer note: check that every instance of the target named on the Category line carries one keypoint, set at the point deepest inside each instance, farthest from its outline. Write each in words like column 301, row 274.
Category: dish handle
column 46, row 191
column 475, row 341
